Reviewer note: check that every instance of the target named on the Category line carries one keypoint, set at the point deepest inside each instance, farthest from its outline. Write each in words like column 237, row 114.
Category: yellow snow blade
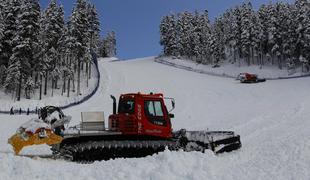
column 19, row 143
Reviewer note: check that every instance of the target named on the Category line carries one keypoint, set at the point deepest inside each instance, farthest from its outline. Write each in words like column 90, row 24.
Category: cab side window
column 158, row 109
column 153, row 108
column 154, row 112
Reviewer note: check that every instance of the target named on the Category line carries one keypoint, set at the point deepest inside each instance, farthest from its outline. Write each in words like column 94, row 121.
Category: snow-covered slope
column 272, row 119
column 226, row 69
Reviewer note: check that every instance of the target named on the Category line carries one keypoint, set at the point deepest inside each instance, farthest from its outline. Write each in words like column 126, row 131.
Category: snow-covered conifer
column 110, row 44
column 29, row 87
column 217, row 42
column 278, row 33
column 1, row 36
column 25, row 42
column 2, row 75
column 184, row 29
column 237, row 33
column 80, row 31
column 303, row 29
column 10, row 12
column 246, row 31
column 204, row 47
column 12, row 79
column 168, row 35
column 94, row 27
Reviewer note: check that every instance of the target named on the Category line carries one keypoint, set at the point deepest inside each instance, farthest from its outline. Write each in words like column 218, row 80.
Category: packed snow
column 271, row 117
column 34, row 124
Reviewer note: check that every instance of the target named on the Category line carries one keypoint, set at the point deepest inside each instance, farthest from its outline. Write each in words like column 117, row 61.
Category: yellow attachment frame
column 18, row 142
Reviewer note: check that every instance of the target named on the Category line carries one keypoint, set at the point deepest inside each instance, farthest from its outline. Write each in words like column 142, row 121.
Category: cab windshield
column 126, row 106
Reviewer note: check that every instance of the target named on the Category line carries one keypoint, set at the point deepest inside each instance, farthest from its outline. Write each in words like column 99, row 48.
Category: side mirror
column 171, row 115
column 173, row 103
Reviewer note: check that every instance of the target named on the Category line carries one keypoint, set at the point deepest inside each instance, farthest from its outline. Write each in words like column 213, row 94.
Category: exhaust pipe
column 114, row 104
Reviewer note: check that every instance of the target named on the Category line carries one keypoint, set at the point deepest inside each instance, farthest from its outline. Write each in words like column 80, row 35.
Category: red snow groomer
column 139, row 126
column 249, row 78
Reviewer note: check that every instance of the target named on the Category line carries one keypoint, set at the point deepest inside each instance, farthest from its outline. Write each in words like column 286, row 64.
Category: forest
column 275, row 34
column 41, row 50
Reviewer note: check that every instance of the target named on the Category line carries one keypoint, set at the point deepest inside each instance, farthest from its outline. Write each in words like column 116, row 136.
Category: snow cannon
column 46, row 129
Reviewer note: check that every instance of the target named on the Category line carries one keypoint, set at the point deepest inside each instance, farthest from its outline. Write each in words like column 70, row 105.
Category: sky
column 136, row 22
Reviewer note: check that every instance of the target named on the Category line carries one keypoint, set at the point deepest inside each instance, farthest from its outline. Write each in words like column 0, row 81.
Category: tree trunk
column 45, row 85
column 261, row 56
column 252, row 55
column 68, row 91
column 87, row 75
column 234, row 51
column 27, row 93
column 40, row 87
column 64, row 84
column 19, row 87
column 73, row 84
column 79, row 78
column 36, row 78
column 89, row 70
column 56, row 83
column 53, row 82
column 279, row 64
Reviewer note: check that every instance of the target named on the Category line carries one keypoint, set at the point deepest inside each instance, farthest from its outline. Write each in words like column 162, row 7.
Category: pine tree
column 278, row 32
column 217, row 42
column 246, row 31
column 94, row 27
column 256, row 39
column 80, row 31
column 1, row 35
column 237, row 31
column 287, row 35
column 196, row 38
column 185, row 28
column 204, row 46
column 263, row 18
column 41, row 69
column 303, row 31
column 10, row 11
column 25, row 43
column 52, row 29
column 94, row 39
column 111, row 44
column 228, row 20
column 29, row 87
column 70, row 45
column 168, row 35
column 272, row 32
column 12, row 79
column 2, row 75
